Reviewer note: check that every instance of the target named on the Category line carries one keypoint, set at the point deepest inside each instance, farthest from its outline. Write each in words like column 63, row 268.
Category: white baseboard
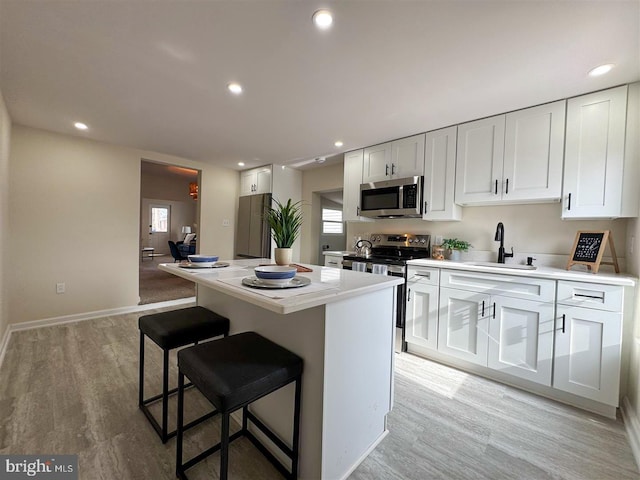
column 78, row 317
column 632, row 425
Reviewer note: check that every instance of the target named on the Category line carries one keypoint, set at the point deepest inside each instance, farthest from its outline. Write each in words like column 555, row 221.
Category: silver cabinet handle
column 425, row 207
column 386, row 170
column 393, row 169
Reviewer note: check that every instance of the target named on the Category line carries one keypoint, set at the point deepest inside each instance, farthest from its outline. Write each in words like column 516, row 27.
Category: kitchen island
column 343, row 327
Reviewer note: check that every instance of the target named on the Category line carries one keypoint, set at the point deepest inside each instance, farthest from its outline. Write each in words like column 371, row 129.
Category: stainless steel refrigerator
column 253, row 235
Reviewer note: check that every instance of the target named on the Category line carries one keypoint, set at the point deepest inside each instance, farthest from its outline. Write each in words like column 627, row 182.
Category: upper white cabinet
column 398, row 159
column 512, row 158
column 601, row 163
column 351, row 187
column 440, row 176
column 256, row 180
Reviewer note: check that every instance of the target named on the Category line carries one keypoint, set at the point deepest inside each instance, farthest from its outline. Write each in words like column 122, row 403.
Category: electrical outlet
column 439, row 240
column 225, row 222
column 60, row 287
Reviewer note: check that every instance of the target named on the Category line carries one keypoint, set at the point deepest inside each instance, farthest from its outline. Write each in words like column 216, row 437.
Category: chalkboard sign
column 588, row 249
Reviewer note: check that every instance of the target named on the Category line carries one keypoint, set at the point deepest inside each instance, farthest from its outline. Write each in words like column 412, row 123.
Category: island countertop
column 327, row 284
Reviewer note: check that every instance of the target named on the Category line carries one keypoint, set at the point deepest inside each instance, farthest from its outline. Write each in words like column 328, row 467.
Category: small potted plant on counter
column 285, row 221
column 453, row 247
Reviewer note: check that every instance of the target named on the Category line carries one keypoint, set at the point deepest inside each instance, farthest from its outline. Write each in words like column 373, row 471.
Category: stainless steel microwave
column 392, row 198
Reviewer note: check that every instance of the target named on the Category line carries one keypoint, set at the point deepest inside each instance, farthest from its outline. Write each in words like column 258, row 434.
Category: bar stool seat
column 232, row 373
column 170, row 330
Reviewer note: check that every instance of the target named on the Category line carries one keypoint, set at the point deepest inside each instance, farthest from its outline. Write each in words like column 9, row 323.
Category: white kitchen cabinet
column 511, row 158
column 588, row 341
column 351, row 187
column 256, row 180
column 521, row 338
column 601, row 164
column 333, row 260
column 398, row 159
column 440, row 176
column 463, row 325
column 422, row 307
column 500, row 321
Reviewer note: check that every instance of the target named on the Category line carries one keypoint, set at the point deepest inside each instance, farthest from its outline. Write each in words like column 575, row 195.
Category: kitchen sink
column 512, row 266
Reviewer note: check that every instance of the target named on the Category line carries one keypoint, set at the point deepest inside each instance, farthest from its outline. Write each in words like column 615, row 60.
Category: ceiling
column 153, row 75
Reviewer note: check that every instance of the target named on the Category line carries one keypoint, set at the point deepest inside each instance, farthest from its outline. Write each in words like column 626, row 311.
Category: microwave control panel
column 410, row 196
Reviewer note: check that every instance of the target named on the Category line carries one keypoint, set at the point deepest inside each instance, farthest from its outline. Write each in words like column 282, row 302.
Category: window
column 332, row 222
column 159, row 219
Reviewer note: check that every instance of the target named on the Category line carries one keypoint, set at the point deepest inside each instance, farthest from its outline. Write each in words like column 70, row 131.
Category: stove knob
column 411, row 240
column 378, row 238
column 423, row 241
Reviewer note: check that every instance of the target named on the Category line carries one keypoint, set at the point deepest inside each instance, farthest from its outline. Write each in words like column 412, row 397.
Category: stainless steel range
column 389, row 254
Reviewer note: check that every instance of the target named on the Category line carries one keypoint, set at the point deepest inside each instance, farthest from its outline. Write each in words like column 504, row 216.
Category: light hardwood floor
column 73, row 389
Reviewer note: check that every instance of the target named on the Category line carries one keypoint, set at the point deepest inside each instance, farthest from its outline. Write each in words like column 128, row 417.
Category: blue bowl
column 203, row 258
column 270, row 272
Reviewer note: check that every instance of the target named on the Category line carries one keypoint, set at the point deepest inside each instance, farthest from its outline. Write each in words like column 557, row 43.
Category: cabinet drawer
column 424, row 275
column 511, row 286
column 590, row 295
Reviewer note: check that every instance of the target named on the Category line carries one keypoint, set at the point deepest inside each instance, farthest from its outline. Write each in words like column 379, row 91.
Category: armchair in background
column 175, row 252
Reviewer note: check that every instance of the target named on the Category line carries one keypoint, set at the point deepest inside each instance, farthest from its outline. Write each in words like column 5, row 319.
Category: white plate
column 295, row 282
column 207, row 265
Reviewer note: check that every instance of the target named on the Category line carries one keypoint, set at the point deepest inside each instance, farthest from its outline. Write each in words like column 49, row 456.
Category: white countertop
column 603, row 277
column 327, row 284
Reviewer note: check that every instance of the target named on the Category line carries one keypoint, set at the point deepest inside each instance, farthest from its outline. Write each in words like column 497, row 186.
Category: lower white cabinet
column 463, row 325
column 588, row 341
column 521, row 338
column 422, row 307
column 334, row 261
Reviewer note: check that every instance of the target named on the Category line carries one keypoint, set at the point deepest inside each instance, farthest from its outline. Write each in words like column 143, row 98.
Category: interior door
column 159, row 227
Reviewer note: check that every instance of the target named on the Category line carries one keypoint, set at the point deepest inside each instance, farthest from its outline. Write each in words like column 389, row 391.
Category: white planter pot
column 454, row 255
column 284, row 256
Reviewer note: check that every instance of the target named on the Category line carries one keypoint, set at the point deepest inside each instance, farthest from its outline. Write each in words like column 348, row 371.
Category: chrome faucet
column 500, row 238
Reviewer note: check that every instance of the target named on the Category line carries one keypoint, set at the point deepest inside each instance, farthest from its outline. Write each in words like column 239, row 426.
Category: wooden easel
column 588, row 249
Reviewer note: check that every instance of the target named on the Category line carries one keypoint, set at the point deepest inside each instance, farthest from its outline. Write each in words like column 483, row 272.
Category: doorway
column 159, row 226
column 332, row 228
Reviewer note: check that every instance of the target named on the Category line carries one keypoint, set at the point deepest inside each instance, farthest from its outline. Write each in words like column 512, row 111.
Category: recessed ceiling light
column 323, row 19
column 241, row 164
column 601, row 70
column 81, row 126
column 235, row 88
column 338, row 143
column 320, row 160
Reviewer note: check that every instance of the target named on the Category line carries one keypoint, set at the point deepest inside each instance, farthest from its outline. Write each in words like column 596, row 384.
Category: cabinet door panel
column 479, row 161
column 247, row 181
column 534, row 150
column 521, row 338
column 422, row 314
column 263, row 180
column 407, row 157
column 594, row 154
column 377, row 163
column 587, row 356
column 351, row 188
column 462, row 329
column 440, row 176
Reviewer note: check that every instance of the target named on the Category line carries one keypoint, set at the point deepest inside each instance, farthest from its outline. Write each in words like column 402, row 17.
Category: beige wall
column 528, row 228
column 74, row 218
column 316, row 180
column 5, row 139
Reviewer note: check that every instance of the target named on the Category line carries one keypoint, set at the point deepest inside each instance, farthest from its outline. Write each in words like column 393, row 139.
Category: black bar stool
column 232, row 373
column 170, row 330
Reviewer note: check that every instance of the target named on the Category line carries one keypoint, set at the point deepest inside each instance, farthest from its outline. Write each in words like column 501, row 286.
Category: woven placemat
column 300, row 268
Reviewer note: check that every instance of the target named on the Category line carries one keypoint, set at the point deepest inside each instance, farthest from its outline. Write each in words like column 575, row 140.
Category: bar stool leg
column 296, row 430
column 141, row 382
column 179, row 429
column 224, row 447
column 165, row 396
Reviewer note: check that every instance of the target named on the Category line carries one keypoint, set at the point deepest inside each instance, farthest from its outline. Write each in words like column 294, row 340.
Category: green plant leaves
column 285, row 221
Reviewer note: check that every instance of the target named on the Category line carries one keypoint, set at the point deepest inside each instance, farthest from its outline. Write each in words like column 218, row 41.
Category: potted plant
column 285, row 221
column 454, row 246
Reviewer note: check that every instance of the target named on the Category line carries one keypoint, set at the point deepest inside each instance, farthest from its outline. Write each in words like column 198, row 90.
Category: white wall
column 74, row 218
column 5, row 139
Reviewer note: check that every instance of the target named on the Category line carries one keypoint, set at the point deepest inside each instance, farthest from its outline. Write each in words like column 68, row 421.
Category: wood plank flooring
column 73, row 389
